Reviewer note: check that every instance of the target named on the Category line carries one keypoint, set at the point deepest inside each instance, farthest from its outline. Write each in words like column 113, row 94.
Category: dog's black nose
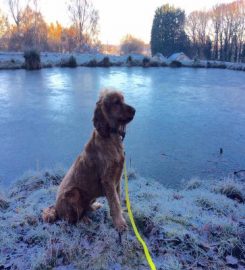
column 133, row 110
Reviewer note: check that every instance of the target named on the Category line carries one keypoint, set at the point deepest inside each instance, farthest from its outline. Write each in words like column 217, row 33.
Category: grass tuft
column 193, row 184
column 4, row 204
column 231, row 190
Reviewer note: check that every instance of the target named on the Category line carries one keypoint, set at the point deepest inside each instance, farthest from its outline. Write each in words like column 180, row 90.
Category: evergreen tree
column 167, row 34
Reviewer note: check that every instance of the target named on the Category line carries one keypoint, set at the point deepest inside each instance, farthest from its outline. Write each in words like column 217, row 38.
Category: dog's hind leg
column 70, row 206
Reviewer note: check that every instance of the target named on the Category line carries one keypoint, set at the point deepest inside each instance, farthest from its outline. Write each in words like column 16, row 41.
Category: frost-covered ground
column 15, row 60
column 201, row 226
column 11, row 60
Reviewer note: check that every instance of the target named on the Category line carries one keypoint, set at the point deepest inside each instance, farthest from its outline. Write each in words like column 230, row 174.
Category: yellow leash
column 131, row 217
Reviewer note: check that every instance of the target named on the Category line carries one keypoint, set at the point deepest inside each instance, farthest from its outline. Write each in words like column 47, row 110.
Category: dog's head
column 111, row 113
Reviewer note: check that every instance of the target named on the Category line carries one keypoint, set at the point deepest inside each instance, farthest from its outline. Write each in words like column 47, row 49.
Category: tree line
column 218, row 33
column 29, row 29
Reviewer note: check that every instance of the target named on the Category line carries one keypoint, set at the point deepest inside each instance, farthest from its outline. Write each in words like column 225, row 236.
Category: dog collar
column 121, row 132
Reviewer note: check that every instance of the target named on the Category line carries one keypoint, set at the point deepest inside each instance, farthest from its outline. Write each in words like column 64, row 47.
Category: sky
column 121, row 17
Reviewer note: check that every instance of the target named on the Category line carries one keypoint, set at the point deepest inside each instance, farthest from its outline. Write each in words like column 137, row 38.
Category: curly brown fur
column 97, row 170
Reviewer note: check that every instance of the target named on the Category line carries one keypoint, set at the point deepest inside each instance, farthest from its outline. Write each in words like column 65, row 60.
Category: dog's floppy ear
column 100, row 122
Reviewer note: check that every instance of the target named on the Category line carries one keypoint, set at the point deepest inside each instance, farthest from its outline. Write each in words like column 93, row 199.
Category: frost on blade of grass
column 193, row 227
column 172, row 263
column 232, row 190
column 4, row 204
column 193, row 184
column 208, row 202
column 131, row 173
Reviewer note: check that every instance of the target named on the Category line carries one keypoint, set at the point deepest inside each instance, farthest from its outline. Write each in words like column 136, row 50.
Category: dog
column 97, row 170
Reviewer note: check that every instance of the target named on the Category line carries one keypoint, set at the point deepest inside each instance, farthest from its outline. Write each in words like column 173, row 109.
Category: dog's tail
column 49, row 214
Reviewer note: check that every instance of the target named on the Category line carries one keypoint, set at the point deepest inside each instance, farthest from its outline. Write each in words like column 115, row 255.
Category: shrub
column 32, row 60
column 156, row 64
column 175, row 64
column 105, row 62
column 129, row 59
column 72, row 62
column 197, row 63
column 216, row 65
column 208, row 65
column 92, row 63
column 133, row 62
column 146, row 62
column 130, row 62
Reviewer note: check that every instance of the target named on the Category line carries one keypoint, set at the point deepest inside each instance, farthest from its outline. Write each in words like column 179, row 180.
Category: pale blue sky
column 119, row 17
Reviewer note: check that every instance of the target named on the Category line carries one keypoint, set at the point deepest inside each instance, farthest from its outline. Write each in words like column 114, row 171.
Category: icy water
column 183, row 117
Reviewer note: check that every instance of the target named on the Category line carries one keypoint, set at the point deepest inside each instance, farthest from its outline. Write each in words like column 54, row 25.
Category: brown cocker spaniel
column 97, row 170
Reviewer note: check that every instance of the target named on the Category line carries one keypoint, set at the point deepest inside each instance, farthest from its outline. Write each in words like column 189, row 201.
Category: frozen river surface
column 183, row 117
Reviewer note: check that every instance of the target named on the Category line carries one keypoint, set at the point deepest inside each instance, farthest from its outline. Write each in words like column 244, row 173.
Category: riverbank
column 201, row 226
column 15, row 60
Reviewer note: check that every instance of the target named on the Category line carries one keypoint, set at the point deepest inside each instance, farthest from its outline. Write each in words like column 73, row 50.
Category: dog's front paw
column 95, row 206
column 120, row 224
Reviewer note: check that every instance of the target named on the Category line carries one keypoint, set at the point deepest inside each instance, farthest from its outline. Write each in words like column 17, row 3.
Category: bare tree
column 228, row 22
column 3, row 24
column 221, row 29
column 197, row 30
column 36, row 15
column 192, row 27
column 4, row 31
column 240, row 29
column 16, row 10
column 85, row 20
column 216, row 16
column 130, row 44
column 32, row 32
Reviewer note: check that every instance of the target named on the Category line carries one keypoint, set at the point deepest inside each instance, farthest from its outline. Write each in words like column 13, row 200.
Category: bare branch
column 85, row 20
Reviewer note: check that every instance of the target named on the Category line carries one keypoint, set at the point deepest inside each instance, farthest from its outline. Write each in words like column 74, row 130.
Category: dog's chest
column 114, row 154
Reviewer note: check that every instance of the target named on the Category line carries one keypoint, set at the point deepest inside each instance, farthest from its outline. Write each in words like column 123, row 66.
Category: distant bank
column 16, row 60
